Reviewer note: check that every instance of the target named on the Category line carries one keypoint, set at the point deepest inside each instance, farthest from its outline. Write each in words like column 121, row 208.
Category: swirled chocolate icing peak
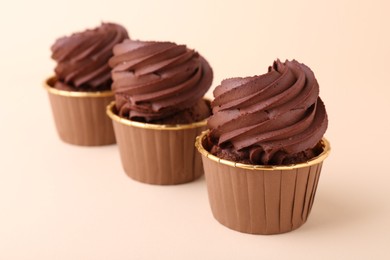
column 82, row 58
column 274, row 118
column 155, row 80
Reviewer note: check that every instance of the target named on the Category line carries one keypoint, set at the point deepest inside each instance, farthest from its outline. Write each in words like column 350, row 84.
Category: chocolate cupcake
column 159, row 109
column 81, row 88
column 264, row 151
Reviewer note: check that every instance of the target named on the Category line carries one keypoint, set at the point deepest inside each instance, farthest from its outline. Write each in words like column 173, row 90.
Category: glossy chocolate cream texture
column 82, row 58
column 276, row 118
column 160, row 82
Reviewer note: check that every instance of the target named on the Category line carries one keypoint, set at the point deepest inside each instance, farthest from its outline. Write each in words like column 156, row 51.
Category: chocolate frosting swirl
column 271, row 118
column 154, row 80
column 82, row 58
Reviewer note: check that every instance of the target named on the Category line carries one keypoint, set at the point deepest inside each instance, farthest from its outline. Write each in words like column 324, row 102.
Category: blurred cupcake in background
column 81, row 87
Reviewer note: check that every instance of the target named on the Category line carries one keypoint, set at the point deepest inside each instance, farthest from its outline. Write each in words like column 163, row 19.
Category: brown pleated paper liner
column 80, row 117
column 259, row 199
column 158, row 154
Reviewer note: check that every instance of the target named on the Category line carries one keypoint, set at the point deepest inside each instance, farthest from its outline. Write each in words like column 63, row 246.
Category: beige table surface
column 59, row 201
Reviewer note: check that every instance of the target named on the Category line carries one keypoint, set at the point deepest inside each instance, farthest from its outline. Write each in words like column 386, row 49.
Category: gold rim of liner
column 129, row 122
column 325, row 144
column 49, row 83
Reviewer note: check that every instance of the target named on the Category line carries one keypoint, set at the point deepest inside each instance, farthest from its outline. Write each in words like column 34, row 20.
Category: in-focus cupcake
column 159, row 109
column 81, row 88
column 264, row 151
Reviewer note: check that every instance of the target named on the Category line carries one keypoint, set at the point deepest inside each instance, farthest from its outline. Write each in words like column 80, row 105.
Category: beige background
column 59, row 201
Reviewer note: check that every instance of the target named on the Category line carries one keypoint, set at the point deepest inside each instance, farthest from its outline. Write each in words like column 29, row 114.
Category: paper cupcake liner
column 259, row 199
column 158, row 154
column 80, row 117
